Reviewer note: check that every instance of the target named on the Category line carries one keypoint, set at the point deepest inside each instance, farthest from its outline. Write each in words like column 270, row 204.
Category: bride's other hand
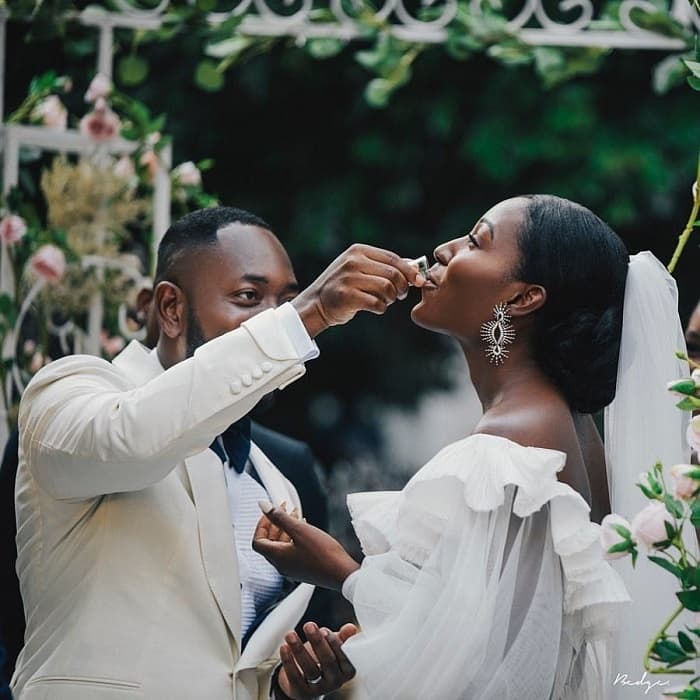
column 301, row 551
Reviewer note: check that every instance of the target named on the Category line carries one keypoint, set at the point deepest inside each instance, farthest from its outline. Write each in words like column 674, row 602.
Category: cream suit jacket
column 126, row 556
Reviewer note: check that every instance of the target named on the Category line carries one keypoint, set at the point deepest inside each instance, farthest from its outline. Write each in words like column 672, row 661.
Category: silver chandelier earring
column 497, row 334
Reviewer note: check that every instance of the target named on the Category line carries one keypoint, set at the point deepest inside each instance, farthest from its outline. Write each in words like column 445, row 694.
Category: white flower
column 48, row 263
column 648, row 525
column 187, row 174
column 683, row 485
column 693, row 433
column 52, row 113
column 609, row 537
column 100, row 86
column 12, row 229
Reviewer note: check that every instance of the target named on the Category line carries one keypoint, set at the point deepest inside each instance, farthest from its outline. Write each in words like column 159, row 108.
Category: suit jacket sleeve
column 85, row 431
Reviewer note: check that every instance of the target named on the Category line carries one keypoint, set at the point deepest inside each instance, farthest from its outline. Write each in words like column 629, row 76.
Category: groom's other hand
column 317, row 667
column 363, row 278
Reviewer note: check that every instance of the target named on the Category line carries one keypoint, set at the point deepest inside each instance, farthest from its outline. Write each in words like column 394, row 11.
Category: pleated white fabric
column 483, row 579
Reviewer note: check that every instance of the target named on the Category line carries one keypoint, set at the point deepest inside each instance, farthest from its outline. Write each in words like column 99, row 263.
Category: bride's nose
column 442, row 254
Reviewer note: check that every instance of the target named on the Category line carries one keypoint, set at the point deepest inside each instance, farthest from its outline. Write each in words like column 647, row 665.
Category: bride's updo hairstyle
column 582, row 263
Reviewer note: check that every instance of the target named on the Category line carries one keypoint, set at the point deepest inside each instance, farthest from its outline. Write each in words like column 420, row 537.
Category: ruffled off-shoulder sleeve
column 483, row 578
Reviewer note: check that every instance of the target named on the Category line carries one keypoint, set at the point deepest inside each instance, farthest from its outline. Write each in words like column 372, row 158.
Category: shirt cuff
column 348, row 589
column 304, row 345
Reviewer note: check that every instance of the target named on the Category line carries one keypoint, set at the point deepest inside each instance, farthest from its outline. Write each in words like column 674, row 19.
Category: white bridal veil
column 642, row 426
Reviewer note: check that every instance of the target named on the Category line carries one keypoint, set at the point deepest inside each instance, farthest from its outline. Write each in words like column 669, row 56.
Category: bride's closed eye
column 472, row 240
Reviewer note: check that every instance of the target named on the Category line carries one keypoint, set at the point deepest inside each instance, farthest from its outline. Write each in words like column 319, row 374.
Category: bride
column 484, row 577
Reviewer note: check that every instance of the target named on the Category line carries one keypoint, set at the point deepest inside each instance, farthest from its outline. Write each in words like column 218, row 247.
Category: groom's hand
column 363, row 278
column 320, row 660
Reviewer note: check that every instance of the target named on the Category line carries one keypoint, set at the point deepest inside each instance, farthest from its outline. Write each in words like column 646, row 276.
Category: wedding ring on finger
column 315, row 681
column 422, row 264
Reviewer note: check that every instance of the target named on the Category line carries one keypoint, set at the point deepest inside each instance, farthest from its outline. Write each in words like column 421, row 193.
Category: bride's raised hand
column 301, row 551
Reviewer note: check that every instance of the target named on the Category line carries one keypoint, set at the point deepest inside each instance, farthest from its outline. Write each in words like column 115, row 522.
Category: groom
column 137, row 482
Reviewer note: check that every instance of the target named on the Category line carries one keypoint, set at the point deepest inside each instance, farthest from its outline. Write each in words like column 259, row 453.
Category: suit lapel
column 216, row 536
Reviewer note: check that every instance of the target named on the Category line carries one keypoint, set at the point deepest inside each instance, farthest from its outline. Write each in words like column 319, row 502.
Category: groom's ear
column 531, row 298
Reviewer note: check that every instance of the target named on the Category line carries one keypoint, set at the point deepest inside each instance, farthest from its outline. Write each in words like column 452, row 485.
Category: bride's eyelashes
column 472, row 240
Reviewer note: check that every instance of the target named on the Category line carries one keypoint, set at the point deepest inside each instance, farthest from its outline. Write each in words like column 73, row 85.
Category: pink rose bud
column 149, row 160
column 29, row 347
column 693, row 434
column 609, row 536
column 12, row 229
column 684, row 485
column 648, row 525
column 102, row 124
column 101, row 86
column 48, row 263
column 36, row 363
column 124, row 168
column 187, row 174
column 52, row 113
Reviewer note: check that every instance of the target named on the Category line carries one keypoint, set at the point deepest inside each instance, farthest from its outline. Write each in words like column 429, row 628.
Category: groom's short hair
column 198, row 229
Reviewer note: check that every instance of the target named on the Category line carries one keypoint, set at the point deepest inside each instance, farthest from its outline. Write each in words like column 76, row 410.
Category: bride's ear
column 530, row 299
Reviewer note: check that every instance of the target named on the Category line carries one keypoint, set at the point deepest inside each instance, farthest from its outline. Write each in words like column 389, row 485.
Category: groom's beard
column 194, row 337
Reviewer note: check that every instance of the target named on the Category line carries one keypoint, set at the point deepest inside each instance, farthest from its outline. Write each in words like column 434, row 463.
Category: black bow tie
column 236, row 444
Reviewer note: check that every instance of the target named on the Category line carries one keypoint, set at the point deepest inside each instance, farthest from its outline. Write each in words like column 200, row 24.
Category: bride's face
column 472, row 274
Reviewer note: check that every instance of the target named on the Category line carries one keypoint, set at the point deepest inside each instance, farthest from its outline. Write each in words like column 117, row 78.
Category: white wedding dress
column 483, row 580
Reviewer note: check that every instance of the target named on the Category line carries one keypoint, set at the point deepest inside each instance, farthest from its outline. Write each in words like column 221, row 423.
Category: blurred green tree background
column 295, row 142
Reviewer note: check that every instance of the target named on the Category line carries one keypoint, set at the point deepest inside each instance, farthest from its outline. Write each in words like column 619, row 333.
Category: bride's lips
column 430, row 281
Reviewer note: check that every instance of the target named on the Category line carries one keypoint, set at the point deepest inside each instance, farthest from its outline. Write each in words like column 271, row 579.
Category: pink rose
column 187, row 174
column 52, row 113
column 648, row 525
column 683, row 485
column 149, row 160
column 48, row 263
column 609, row 537
column 29, row 347
column 12, row 229
column 124, row 168
column 100, row 86
column 102, row 124
column 693, row 434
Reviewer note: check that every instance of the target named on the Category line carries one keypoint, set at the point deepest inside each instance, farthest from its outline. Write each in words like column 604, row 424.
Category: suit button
column 266, row 367
column 257, row 372
column 246, row 379
column 236, row 387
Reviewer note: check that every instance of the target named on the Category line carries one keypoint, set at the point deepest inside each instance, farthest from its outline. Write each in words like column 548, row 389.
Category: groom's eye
column 247, row 295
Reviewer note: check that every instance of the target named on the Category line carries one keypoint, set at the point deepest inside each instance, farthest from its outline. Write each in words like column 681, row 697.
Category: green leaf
column 378, row 92
column 668, row 74
column 208, row 77
column 132, row 70
column 206, row 5
column 205, row 164
column 694, row 82
column 623, row 531
column 683, row 386
column 660, row 22
column 647, row 492
column 670, row 530
column 666, row 564
column 324, row 47
column 693, row 67
column 669, row 652
column 674, row 507
column 620, row 547
column 686, row 642
column 689, row 403
column 695, row 513
column 690, row 599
